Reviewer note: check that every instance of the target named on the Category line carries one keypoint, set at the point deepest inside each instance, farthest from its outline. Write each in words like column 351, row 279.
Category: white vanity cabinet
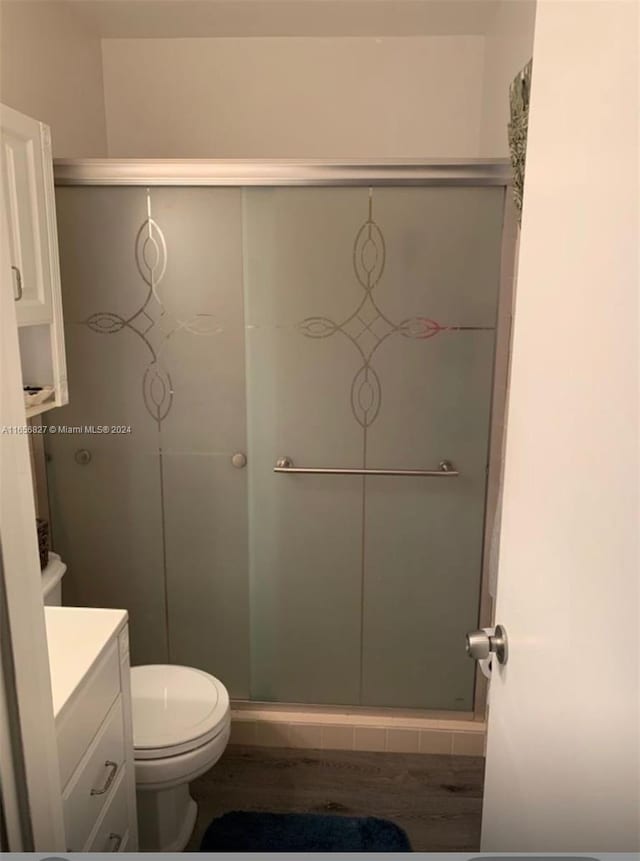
column 90, row 680
column 28, row 216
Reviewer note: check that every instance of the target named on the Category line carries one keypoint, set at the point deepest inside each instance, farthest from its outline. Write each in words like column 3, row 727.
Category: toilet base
column 166, row 818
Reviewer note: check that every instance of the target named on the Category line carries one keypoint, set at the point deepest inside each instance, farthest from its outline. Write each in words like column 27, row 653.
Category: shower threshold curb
column 354, row 730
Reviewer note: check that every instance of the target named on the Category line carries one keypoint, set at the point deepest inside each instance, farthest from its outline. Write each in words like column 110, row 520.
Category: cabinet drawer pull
column 18, row 292
column 115, row 841
column 113, row 767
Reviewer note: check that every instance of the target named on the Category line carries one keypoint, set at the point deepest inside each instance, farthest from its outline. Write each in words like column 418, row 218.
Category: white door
column 563, row 762
column 29, row 778
column 26, row 165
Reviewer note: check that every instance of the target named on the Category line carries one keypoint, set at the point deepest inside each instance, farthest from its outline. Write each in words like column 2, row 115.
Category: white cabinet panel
column 29, row 207
column 92, row 700
column 91, row 787
column 79, row 720
column 112, row 833
column 25, row 143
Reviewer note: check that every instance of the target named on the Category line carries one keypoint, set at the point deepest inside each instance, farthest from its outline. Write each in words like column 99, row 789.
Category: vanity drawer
column 112, row 832
column 79, row 721
column 93, row 783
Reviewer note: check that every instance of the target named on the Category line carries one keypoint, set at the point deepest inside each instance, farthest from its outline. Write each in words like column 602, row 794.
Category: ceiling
column 192, row 18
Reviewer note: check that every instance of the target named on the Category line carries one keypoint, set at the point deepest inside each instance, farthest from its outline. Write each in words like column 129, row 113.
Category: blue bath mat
column 302, row 832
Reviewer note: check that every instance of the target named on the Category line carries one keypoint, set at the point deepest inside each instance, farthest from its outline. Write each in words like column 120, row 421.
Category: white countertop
column 76, row 637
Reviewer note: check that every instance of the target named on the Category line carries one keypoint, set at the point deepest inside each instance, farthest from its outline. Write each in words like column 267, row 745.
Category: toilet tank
column 52, row 581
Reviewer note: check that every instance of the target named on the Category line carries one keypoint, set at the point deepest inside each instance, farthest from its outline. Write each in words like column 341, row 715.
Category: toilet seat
column 175, row 710
column 171, row 771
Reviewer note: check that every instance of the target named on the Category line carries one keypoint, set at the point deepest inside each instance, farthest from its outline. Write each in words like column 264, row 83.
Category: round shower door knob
column 482, row 643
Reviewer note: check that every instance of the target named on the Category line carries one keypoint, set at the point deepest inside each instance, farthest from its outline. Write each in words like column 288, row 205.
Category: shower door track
column 224, row 172
column 345, row 173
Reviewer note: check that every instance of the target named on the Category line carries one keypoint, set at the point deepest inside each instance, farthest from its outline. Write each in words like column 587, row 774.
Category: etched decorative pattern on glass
column 151, row 322
column 417, row 266
column 154, row 326
column 368, row 327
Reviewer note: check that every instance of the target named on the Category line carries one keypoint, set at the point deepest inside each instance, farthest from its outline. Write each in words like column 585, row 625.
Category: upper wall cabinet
column 29, row 215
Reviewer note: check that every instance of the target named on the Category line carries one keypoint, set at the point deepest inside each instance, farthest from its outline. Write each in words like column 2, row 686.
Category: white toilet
column 181, row 725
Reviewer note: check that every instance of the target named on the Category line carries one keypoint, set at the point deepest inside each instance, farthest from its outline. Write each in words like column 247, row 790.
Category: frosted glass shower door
column 154, row 519
column 370, row 344
column 339, row 327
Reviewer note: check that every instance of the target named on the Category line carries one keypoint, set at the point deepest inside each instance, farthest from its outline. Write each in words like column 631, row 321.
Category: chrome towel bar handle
column 445, row 470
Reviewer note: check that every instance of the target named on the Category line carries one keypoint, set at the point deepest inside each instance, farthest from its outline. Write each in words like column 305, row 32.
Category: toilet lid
column 175, row 706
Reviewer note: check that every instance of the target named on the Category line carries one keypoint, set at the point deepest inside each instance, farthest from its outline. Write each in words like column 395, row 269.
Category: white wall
column 508, row 47
column 306, row 97
column 51, row 69
column 263, row 96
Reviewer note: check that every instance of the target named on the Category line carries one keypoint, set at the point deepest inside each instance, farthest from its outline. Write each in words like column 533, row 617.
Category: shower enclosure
column 294, row 365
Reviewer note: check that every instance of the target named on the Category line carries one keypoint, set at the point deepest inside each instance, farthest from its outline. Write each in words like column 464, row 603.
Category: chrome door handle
column 482, row 643
column 113, row 767
column 18, row 292
column 116, row 840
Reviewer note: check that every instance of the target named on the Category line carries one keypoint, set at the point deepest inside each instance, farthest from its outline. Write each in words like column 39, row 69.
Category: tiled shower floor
column 436, row 799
